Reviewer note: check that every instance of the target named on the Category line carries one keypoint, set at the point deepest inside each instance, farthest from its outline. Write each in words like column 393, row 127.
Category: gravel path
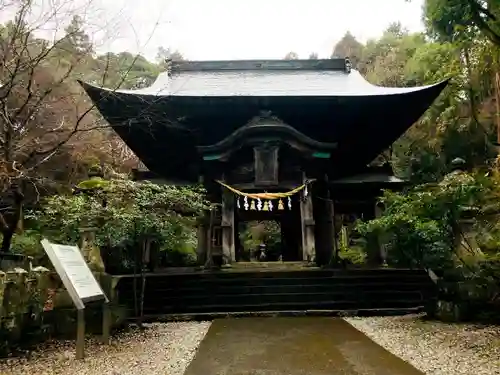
column 164, row 349
column 436, row 348
column 433, row 347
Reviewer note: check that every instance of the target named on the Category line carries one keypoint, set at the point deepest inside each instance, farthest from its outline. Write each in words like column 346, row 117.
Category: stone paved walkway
column 292, row 346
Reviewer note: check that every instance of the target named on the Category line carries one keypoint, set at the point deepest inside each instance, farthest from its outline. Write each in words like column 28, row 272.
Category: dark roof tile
column 266, row 83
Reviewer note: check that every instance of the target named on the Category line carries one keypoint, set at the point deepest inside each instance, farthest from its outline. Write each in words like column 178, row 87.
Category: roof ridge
column 339, row 64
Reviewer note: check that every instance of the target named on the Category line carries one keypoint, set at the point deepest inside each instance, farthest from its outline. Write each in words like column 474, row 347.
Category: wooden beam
column 307, row 223
column 228, row 243
column 281, row 186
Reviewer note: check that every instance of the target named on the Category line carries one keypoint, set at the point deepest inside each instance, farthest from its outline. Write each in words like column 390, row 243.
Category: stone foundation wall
column 23, row 295
column 462, row 301
column 34, row 305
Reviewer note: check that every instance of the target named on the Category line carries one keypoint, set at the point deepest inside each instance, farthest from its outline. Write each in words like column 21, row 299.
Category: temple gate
column 290, row 141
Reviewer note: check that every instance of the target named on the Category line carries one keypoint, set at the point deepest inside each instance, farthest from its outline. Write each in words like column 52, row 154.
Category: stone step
column 231, row 273
column 187, row 283
column 298, row 296
column 277, row 306
column 280, row 274
column 271, row 265
column 280, row 290
column 176, row 290
column 275, row 313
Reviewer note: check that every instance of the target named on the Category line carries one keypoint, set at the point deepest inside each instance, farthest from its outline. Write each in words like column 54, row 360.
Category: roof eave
column 95, row 91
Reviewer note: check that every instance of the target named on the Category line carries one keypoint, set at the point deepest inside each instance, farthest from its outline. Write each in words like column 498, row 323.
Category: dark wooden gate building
column 268, row 126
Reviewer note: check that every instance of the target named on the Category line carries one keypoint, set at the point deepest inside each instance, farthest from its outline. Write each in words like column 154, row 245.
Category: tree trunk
column 472, row 99
column 7, row 240
column 481, row 16
column 12, row 223
column 497, row 100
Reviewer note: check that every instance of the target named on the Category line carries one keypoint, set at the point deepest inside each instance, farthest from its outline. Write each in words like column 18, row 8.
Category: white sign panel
column 74, row 272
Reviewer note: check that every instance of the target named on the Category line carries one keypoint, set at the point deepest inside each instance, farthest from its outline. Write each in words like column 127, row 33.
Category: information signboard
column 75, row 273
column 81, row 284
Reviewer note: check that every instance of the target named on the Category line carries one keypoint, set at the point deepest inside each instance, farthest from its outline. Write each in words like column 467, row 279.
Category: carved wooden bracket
column 261, row 129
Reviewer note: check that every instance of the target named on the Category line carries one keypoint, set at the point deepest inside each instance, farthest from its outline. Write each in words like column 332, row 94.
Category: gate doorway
column 279, row 231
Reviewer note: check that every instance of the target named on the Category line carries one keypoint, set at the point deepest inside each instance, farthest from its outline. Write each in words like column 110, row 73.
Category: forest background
column 52, row 140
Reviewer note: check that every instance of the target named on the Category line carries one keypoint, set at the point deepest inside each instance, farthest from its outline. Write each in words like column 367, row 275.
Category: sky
column 233, row 29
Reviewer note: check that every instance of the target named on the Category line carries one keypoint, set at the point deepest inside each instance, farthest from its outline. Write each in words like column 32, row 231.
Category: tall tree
column 460, row 122
column 164, row 54
column 397, row 29
column 76, row 37
column 291, row 56
column 348, row 46
column 125, row 70
column 383, row 61
column 450, row 18
column 45, row 121
column 469, row 23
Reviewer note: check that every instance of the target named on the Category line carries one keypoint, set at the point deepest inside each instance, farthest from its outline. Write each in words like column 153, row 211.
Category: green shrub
column 419, row 225
column 126, row 213
column 353, row 255
column 28, row 243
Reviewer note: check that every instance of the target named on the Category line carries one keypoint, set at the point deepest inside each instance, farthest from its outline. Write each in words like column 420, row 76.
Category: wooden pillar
column 80, row 333
column 228, row 243
column 307, row 223
column 202, row 246
column 323, row 214
column 330, row 242
column 381, row 246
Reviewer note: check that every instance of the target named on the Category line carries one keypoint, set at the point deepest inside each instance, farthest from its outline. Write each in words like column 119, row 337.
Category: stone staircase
column 269, row 266
column 361, row 291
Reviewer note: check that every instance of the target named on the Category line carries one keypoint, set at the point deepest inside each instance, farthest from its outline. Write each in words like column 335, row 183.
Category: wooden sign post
column 82, row 287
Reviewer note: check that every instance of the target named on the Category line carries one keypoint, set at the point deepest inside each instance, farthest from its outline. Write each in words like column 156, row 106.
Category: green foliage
column 93, row 184
column 124, row 70
column 28, row 243
column 165, row 54
column 420, row 225
column 348, row 46
column 461, row 122
column 384, row 60
column 76, row 37
column 126, row 212
column 456, row 19
column 255, row 233
column 353, row 255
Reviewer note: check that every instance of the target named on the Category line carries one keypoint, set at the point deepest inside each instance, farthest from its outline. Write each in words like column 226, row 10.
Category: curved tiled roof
column 274, row 83
column 198, row 104
column 264, row 78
